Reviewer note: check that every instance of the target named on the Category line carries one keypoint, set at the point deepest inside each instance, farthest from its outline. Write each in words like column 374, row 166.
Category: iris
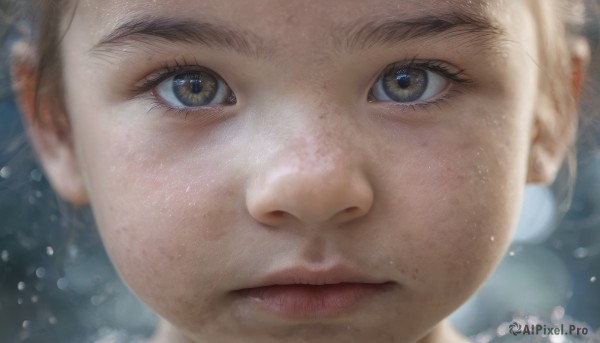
column 405, row 85
column 195, row 89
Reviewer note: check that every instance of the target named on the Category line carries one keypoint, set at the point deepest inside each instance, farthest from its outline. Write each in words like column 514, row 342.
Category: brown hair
column 48, row 64
column 39, row 21
column 556, row 34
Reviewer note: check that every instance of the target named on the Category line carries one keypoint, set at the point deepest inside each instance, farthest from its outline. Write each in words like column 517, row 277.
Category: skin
column 303, row 169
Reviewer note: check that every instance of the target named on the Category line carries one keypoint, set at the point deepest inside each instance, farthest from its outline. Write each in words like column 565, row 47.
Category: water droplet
column 26, row 324
column 62, row 283
column 511, row 253
column 35, row 175
column 4, row 255
column 21, row 286
column 40, row 272
column 557, row 244
column 49, row 251
column 580, row 252
column 34, row 299
column 492, row 238
column 73, row 251
column 52, row 320
column 558, row 313
column 5, row 172
column 20, row 301
column 593, row 279
column 97, row 299
column 187, row 189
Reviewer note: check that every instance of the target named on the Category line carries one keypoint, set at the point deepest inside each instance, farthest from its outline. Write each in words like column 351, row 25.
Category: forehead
column 283, row 19
column 113, row 9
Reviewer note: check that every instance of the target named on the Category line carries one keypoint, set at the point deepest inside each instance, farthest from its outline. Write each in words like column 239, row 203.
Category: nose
column 309, row 190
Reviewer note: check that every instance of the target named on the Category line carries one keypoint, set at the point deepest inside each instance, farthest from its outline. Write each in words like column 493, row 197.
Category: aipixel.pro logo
column 516, row 328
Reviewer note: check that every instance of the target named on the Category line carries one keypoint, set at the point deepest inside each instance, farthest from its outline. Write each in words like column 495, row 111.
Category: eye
column 194, row 89
column 408, row 84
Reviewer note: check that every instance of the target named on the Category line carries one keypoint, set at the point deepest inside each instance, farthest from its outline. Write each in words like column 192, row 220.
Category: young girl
column 301, row 171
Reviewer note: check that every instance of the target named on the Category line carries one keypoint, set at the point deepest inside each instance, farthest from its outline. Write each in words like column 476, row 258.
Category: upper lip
column 303, row 275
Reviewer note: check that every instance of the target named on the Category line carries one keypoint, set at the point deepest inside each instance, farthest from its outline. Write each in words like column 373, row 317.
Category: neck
column 167, row 333
column 444, row 332
column 441, row 333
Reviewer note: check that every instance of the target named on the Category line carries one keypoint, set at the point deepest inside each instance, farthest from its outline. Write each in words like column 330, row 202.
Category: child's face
column 408, row 186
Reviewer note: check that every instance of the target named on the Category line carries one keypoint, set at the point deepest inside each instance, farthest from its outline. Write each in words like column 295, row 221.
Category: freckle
column 291, row 19
column 414, row 274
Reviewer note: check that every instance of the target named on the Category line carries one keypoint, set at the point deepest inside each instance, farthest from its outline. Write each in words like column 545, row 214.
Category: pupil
column 403, row 79
column 196, row 84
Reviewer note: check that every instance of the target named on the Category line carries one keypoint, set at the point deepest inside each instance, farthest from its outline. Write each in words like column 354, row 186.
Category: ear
column 47, row 128
column 553, row 130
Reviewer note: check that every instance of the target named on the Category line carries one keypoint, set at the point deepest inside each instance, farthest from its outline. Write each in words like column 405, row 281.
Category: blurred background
column 57, row 284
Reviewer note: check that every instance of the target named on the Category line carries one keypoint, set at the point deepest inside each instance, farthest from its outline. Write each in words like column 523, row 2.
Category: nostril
column 277, row 214
column 350, row 213
column 351, row 210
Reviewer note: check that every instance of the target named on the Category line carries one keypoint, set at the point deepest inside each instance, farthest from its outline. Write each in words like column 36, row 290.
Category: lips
column 301, row 293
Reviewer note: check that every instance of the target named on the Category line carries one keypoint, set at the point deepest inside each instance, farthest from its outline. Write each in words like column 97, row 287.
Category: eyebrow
column 173, row 30
column 473, row 28
column 476, row 29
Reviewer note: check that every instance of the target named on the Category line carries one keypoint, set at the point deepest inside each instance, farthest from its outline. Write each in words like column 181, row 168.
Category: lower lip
column 311, row 301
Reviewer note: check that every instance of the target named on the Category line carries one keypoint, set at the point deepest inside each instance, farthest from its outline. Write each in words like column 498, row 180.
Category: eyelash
column 436, row 66
column 456, row 76
column 168, row 70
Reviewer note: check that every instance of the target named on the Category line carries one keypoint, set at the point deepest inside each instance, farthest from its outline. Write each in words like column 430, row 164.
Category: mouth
column 300, row 293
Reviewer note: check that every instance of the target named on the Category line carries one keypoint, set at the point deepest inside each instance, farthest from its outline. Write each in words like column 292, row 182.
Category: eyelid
column 147, row 89
column 443, row 68
column 153, row 79
column 452, row 74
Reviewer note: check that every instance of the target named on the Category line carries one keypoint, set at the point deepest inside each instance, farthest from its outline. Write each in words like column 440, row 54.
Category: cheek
column 165, row 213
column 457, row 194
